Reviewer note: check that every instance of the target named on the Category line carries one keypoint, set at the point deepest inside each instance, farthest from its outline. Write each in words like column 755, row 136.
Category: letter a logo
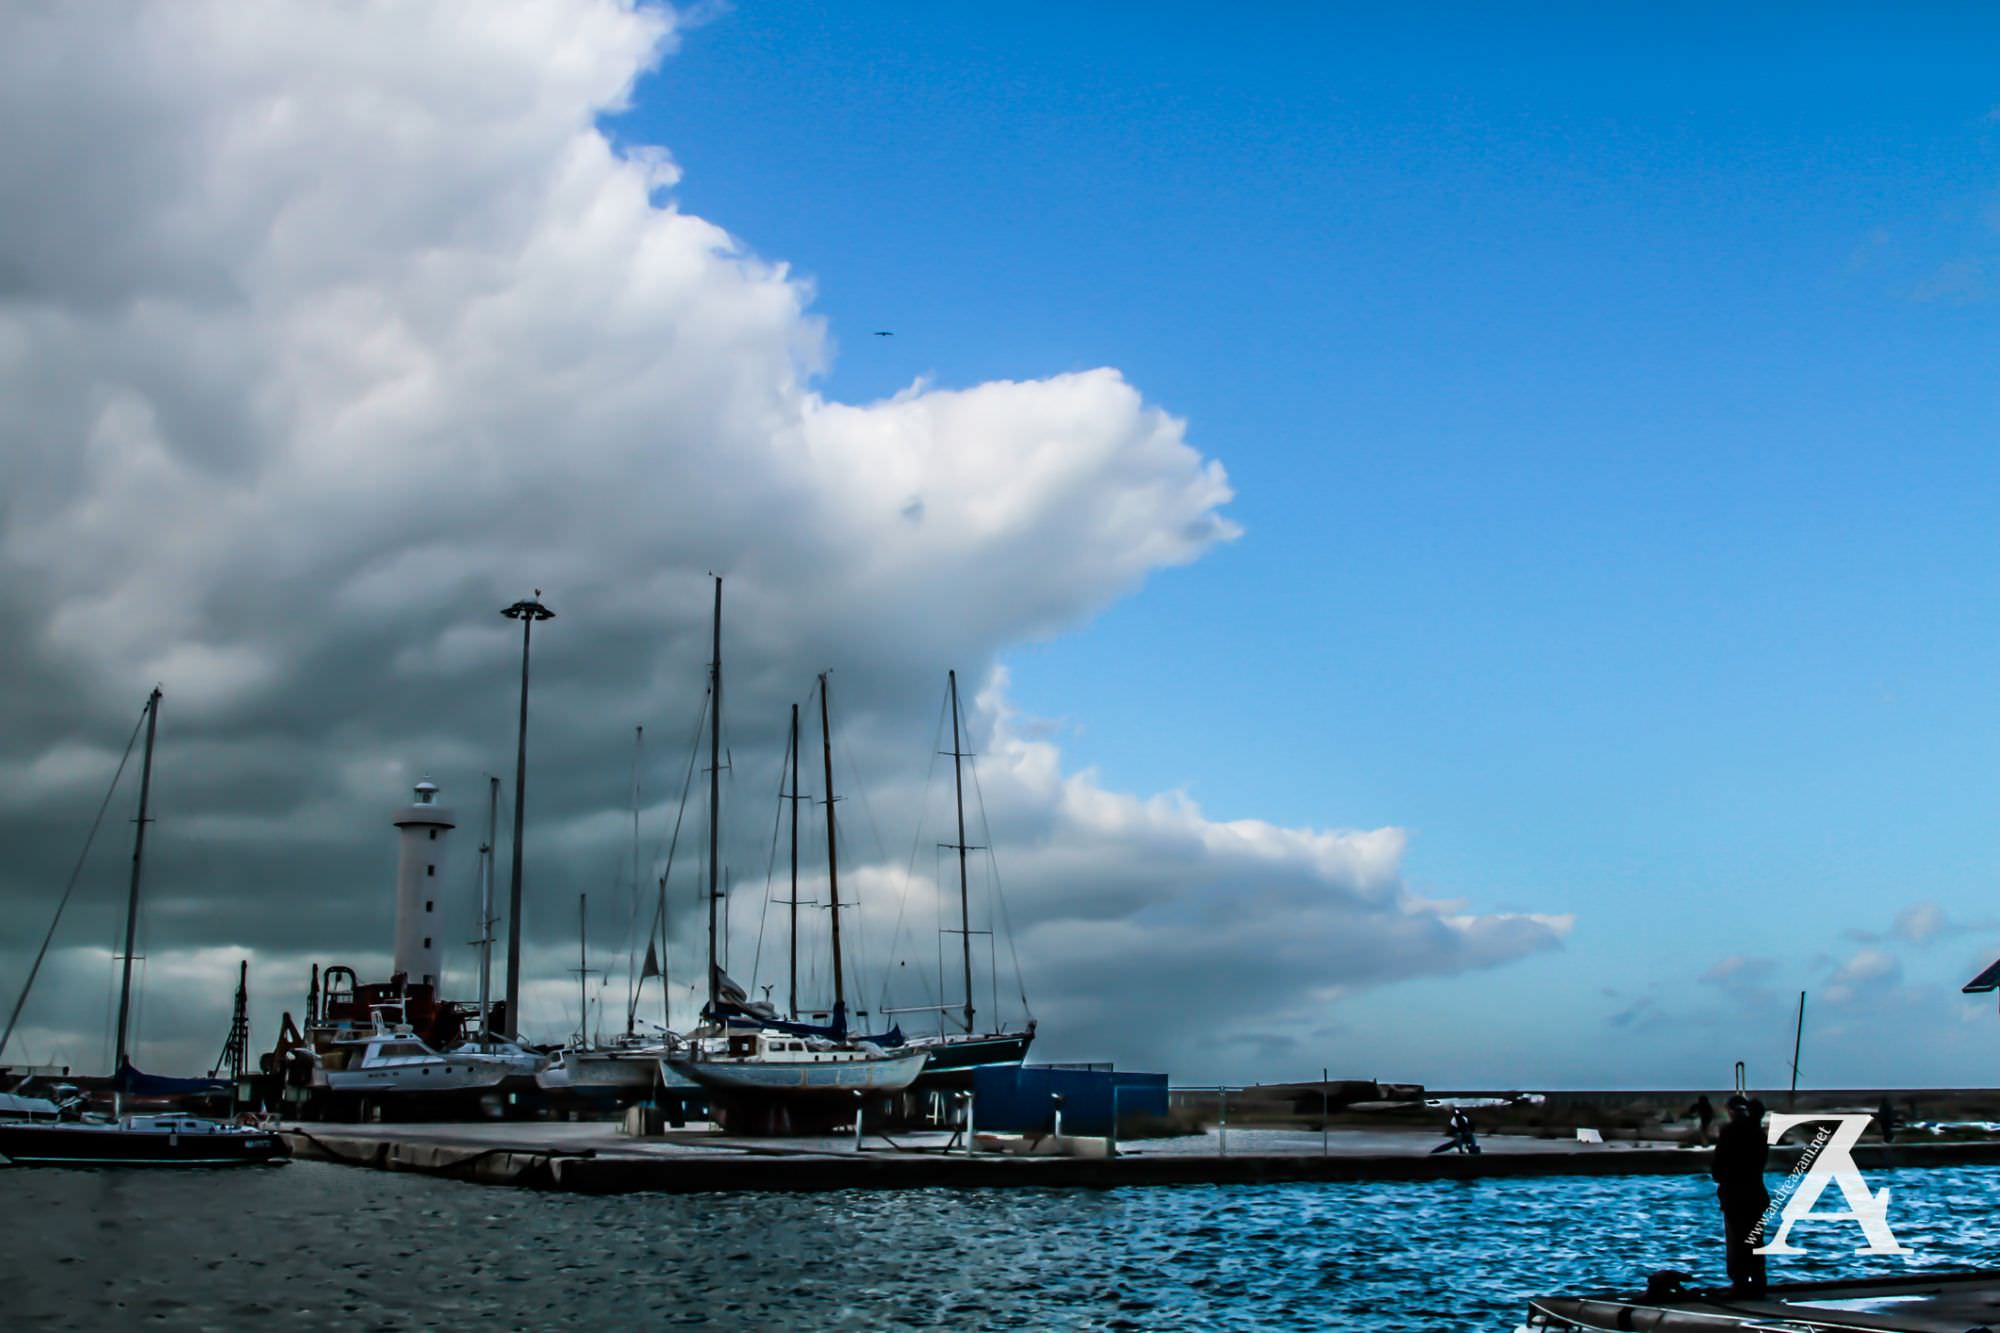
column 1835, row 1165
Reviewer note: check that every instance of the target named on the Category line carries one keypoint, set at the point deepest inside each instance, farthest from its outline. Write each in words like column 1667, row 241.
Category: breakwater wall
column 524, row 1163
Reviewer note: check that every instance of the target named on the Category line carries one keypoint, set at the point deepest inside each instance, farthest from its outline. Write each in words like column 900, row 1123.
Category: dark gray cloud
column 326, row 333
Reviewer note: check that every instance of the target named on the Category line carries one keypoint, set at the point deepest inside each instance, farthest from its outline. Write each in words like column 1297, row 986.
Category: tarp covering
column 735, row 1013
column 136, row 1082
column 13, row 1104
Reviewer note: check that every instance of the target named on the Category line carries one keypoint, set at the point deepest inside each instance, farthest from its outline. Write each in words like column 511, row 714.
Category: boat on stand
column 126, row 1139
column 398, row 1048
column 389, row 1058
column 951, row 1057
column 626, row 1067
column 746, row 1050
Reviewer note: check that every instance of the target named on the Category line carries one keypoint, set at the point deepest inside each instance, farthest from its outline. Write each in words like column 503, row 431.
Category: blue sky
column 1606, row 398
column 1609, row 402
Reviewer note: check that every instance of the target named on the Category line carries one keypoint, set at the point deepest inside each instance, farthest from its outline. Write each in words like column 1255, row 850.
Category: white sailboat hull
column 628, row 1072
column 889, row 1072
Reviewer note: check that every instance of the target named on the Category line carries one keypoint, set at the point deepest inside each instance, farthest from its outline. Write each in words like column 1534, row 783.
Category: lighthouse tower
column 425, row 830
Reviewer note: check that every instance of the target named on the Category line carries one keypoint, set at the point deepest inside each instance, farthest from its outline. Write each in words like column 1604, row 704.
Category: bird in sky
column 885, row 333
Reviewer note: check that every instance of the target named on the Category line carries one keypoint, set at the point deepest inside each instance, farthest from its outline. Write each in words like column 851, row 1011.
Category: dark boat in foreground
column 137, row 1140
column 1963, row 1302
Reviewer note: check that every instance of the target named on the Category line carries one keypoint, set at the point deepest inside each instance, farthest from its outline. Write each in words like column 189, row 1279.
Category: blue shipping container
column 1021, row 1099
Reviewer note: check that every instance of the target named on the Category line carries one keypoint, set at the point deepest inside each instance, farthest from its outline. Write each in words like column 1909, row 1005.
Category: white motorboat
column 392, row 1058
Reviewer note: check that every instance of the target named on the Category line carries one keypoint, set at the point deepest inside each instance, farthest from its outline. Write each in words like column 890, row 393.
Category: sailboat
column 747, row 1048
column 952, row 1056
column 628, row 1066
column 138, row 1140
column 622, row 1069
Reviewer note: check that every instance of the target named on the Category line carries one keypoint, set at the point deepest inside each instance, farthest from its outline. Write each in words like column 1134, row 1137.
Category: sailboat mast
column 832, row 856
column 583, row 969
column 632, row 979
column 793, row 998
column 714, row 788
column 666, row 994
column 958, row 789
column 132, row 902
column 486, row 911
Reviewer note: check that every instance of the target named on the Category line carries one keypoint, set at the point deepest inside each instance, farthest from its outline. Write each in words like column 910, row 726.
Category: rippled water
column 317, row 1244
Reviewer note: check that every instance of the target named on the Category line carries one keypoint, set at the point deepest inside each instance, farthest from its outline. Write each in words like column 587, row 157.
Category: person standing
column 1885, row 1119
column 1738, row 1171
column 1703, row 1113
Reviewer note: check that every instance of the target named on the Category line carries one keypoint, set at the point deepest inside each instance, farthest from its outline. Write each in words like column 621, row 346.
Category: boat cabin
column 768, row 1047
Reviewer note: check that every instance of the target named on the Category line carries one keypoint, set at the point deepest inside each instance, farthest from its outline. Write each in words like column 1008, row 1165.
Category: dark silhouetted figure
column 1458, row 1134
column 1738, row 1170
column 1703, row 1111
column 1885, row 1119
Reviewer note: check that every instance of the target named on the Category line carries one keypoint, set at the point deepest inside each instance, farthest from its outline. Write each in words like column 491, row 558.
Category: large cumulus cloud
column 328, row 330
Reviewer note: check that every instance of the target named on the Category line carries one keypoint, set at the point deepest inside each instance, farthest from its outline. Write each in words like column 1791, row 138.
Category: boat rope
column 659, row 926
column 770, row 864
column 910, row 871
column 70, row 887
column 859, row 952
column 632, row 918
column 1000, row 897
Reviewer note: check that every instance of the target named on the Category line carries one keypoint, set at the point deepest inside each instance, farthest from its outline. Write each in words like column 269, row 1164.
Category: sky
column 1464, row 533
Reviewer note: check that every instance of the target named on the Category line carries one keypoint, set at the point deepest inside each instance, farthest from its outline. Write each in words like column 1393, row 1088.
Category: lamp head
column 529, row 609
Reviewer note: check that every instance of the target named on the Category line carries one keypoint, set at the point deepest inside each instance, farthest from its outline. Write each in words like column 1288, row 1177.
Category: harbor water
column 320, row 1245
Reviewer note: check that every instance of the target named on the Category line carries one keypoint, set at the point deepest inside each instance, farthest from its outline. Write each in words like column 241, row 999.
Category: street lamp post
column 527, row 612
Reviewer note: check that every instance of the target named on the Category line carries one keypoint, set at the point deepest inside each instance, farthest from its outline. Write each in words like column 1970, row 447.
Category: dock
column 595, row 1157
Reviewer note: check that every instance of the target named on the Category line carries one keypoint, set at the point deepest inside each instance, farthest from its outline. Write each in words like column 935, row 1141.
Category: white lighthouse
column 425, row 830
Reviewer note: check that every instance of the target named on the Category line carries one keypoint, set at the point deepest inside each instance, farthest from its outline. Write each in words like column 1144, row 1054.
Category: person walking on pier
column 1738, row 1171
column 1703, row 1113
column 1458, row 1134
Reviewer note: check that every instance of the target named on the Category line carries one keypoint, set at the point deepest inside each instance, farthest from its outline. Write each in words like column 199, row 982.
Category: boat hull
column 419, row 1079
column 612, row 1078
column 89, row 1145
column 950, row 1062
column 891, row 1072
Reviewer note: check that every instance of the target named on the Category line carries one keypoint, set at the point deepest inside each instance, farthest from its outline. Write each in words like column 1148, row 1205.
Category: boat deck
column 1965, row 1302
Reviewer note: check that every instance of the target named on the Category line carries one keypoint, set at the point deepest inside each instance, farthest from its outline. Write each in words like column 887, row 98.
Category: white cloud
column 1918, row 924
column 1866, row 972
column 326, row 331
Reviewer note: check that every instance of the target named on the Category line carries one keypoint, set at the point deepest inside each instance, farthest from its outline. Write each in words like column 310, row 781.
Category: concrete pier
column 595, row 1158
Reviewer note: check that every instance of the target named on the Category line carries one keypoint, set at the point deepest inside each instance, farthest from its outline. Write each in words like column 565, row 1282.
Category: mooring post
column 969, row 1130
column 1225, row 1120
column 1057, row 1098
column 858, row 1106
